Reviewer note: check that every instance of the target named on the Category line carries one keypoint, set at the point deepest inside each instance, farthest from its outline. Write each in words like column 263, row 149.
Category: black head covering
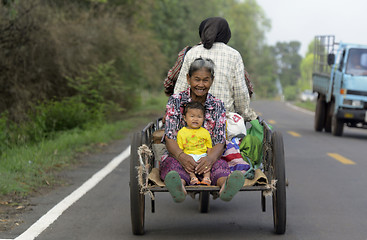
column 201, row 27
column 215, row 29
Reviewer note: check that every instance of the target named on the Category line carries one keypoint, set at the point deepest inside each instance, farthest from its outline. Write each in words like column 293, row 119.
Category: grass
column 27, row 168
column 309, row 105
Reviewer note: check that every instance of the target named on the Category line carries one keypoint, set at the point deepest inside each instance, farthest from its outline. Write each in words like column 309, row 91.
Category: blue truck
column 340, row 79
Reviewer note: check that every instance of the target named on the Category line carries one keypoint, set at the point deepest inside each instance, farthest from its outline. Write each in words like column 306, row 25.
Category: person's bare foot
column 183, row 186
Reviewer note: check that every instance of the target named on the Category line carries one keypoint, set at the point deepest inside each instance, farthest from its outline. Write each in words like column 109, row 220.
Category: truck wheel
column 337, row 126
column 328, row 124
column 137, row 200
column 328, row 117
column 320, row 114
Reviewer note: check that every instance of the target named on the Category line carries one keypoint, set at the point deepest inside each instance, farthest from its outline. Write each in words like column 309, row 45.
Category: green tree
column 306, row 72
column 306, row 68
column 248, row 25
column 176, row 23
column 288, row 62
column 265, row 74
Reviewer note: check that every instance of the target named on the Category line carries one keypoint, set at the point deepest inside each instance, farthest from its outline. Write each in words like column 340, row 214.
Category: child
column 195, row 140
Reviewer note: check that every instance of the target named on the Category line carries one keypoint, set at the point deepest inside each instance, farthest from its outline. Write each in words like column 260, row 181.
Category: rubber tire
column 279, row 194
column 320, row 114
column 137, row 200
column 337, row 126
column 328, row 117
column 204, row 202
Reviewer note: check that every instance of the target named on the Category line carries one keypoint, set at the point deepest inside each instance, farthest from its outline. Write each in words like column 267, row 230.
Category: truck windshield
column 357, row 62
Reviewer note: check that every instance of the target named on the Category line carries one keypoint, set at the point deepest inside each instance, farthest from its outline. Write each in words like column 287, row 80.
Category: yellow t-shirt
column 194, row 141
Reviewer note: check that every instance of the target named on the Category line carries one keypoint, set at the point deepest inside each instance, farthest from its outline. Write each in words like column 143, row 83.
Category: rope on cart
column 267, row 154
column 145, row 154
column 271, row 187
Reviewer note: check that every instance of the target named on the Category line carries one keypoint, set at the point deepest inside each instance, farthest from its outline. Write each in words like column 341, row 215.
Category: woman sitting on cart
column 175, row 163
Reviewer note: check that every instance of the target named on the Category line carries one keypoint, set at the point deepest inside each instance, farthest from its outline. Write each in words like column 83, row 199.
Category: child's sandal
column 194, row 181
column 206, row 181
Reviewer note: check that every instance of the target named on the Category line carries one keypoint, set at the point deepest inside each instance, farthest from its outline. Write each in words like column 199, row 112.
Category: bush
column 290, row 93
column 10, row 133
column 55, row 116
column 103, row 89
column 4, row 138
column 42, row 41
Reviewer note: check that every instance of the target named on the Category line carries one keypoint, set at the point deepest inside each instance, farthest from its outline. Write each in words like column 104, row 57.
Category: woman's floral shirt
column 214, row 122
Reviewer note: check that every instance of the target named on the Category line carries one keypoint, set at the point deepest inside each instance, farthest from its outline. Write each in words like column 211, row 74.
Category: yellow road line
column 341, row 159
column 294, row 134
column 272, row 121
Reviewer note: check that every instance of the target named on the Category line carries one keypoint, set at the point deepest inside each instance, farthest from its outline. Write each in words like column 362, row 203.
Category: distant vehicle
column 340, row 79
column 308, row 95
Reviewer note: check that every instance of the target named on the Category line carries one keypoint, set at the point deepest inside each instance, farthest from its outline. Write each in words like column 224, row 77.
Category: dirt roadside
column 14, row 210
column 14, row 207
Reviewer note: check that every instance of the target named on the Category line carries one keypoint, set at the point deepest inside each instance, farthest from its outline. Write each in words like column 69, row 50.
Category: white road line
column 46, row 220
column 300, row 109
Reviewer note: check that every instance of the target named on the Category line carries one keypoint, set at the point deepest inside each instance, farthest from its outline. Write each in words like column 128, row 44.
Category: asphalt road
column 326, row 196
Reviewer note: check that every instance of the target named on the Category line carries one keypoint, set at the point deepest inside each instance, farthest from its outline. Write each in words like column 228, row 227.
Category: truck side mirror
column 330, row 59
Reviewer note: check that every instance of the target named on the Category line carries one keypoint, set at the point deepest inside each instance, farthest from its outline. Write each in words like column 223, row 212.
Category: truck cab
column 341, row 86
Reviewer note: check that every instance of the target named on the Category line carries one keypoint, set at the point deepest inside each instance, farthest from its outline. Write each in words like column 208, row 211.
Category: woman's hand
column 187, row 162
column 204, row 165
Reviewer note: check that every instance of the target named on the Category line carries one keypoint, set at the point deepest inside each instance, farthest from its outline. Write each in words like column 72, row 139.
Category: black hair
column 201, row 63
column 194, row 105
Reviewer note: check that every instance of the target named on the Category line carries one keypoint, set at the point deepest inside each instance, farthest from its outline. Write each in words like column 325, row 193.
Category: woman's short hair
column 201, row 63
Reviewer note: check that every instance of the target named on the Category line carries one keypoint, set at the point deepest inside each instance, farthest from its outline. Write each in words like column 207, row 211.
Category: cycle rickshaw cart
column 143, row 162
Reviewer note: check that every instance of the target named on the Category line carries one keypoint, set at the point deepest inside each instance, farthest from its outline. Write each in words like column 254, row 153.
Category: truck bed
column 320, row 83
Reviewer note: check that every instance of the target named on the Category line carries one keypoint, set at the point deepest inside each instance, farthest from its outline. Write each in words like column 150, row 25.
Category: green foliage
column 27, row 167
column 309, row 105
column 103, row 87
column 56, row 116
column 4, row 132
column 306, row 67
column 48, row 40
column 311, row 46
column 264, row 77
column 248, row 26
column 290, row 92
column 176, row 23
column 288, row 60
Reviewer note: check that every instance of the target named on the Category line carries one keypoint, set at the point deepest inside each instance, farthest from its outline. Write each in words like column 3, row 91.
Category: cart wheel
column 279, row 194
column 204, row 202
column 137, row 200
column 320, row 114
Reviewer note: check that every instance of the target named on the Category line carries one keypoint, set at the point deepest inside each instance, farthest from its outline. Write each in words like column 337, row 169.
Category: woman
column 176, row 164
column 230, row 83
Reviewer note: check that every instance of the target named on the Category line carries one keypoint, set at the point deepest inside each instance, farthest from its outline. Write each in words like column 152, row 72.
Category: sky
column 302, row 20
